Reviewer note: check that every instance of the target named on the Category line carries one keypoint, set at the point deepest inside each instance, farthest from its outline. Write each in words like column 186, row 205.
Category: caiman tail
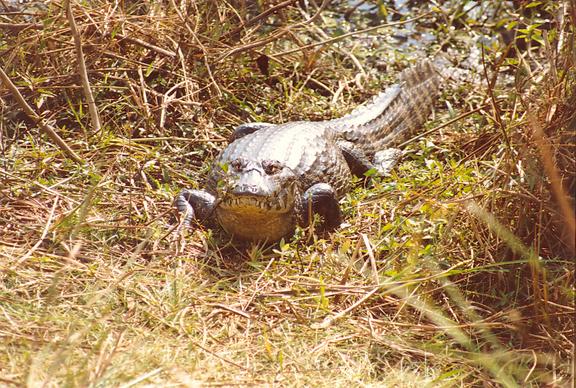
column 393, row 115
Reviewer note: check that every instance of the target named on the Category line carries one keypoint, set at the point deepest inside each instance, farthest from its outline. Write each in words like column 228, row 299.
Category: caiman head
column 257, row 199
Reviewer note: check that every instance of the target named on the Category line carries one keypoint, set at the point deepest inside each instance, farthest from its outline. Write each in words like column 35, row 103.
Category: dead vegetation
column 456, row 270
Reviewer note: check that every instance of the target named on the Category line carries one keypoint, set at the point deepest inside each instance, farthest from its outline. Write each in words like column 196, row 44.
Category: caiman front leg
column 359, row 163
column 321, row 199
column 195, row 205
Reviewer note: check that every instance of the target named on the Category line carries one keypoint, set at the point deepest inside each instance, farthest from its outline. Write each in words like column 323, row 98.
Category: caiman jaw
column 256, row 218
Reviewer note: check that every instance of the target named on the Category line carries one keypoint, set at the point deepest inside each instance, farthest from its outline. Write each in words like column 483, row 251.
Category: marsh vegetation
column 457, row 269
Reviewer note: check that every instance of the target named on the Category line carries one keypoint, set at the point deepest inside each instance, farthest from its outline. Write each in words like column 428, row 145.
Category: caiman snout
column 252, row 183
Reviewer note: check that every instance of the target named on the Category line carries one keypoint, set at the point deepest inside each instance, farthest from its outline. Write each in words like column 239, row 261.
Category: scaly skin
column 273, row 177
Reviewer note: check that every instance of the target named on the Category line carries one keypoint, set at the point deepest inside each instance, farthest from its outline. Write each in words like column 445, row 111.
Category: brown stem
column 95, row 118
column 44, row 126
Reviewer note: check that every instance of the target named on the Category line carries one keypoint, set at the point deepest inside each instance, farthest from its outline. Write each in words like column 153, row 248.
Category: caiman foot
column 321, row 199
column 360, row 163
column 385, row 160
column 195, row 205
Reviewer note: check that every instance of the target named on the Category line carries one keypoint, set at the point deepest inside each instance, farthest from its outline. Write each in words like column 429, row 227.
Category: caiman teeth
column 245, row 201
column 275, row 202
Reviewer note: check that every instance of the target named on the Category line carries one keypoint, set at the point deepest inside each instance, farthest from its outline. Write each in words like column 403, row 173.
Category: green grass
column 456, row 270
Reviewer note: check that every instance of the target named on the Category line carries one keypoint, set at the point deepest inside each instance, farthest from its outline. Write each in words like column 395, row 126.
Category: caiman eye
column 271, row 166
column 238, row 164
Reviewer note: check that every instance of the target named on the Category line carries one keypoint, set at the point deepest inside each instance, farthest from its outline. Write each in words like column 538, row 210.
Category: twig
column 47, row 189
column 144, row 102
column 257, row 18
column 562, row 197
column 21, row 26
column 120, row 37
column 370, row 252
column 341, row 37
column 234, row 310
column 166, row 99
column 145, row 44
column 504, row 233
column 495, row 106
column 202, row 48
column 274, row 36
column 328, row 321
column 253, row 45
column 352, row 57
column 317, row 14
column 142, row 377
column 95, row 118
column 44, row 126
column 42, row 236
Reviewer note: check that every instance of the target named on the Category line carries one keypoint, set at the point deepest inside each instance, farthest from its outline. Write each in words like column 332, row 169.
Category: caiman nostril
column 246, row 189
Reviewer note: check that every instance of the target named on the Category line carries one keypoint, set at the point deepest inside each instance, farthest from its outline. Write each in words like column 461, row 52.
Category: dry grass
column 456, row 270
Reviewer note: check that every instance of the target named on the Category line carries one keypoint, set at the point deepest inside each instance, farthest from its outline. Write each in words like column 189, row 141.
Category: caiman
column 272, row 177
